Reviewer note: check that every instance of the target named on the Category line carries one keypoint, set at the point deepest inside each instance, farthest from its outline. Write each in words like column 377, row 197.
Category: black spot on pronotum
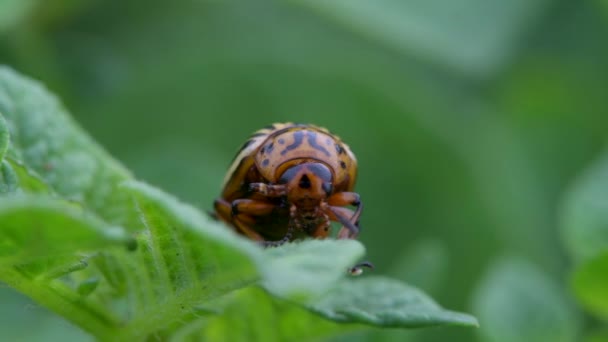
column 342, row 164
column 270, row 147
column 304, row 182
column 265, row 162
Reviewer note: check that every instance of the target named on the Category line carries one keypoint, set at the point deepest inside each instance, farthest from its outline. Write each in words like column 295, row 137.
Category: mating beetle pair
column 290, row 181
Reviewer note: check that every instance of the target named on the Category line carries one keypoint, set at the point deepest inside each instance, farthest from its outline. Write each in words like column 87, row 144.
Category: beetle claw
column 358, row 268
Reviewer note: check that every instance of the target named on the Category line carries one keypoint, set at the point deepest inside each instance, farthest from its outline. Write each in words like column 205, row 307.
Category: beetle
column 289, row 181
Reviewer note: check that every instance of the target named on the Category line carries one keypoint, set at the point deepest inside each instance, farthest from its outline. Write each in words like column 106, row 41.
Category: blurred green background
column 469, row 119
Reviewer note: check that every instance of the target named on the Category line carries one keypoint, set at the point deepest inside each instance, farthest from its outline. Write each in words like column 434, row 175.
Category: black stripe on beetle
column 312, row 141
column 245, row 145
column 298, row 137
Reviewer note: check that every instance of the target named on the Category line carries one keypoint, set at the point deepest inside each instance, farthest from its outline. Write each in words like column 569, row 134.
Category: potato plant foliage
column 123, row 260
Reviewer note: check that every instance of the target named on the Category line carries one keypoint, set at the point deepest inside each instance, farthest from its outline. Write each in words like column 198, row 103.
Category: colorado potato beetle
column 289, row 181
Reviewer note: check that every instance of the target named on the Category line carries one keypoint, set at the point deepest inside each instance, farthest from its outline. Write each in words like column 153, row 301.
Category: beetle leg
column 350, row 227
column 222, row 210
column 270, row 190
column 245, row 228
column 251, row 207
column 322, row 230
column 342, row 199
column 241, row 222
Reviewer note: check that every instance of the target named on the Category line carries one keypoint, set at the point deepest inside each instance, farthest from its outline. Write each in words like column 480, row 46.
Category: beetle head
column 307, row 184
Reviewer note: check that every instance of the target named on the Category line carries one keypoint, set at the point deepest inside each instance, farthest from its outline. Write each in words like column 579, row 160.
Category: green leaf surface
column 185, row 261
column 45, row 139
column 38, row 227
column 63, row 199
column 17, row 178
column 43, row 241
column 312, row 273
column 472, row 36
column 517, row 302
column 4, row 137
column 585, row 216
column 254, row 315
column 590, row 284
column 308, row 268
column 384, row 302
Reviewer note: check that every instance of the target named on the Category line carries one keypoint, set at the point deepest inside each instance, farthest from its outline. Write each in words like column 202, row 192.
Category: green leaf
column 253, row 315
column 16, row 178
column 184, row 262
column 43, row 242
column 312, row 273
column 49, row 143
column 517, row 302
column 472, row 36
column 4, row 136
column 189, row 276
column 584, row 223
column 308, row 268
column 590, row 284
column 384, row 302
column 38, row 227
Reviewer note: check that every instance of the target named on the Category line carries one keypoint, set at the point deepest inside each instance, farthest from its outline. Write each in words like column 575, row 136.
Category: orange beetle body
column 289, row 181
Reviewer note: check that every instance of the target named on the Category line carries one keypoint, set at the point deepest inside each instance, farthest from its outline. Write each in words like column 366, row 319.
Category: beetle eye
column 327, row 187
